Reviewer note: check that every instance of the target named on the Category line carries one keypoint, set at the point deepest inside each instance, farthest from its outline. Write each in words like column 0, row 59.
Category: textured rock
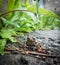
column 53, row 5
column 48, row 37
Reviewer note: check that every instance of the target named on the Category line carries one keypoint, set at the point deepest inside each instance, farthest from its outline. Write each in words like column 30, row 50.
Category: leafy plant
column 2, row 45
column 8, row 23
column 19, row 21
column 12, row 5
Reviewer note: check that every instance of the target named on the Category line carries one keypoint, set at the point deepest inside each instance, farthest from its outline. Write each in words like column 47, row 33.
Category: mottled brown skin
column 30, row 41
column 32, row 44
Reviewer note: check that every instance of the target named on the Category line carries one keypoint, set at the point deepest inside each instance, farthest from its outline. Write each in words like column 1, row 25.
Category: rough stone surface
column 50, row 39
column 53, row 5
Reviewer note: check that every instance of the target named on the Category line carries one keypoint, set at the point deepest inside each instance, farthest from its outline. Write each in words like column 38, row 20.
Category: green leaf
column 4, row 19
column 7, row 35
column 1, row 1
column 2, row 45
column 12, row 5
column 25, row 29
column 31, row 8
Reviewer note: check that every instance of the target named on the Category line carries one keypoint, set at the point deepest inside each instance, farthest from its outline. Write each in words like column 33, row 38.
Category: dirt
column 48, row 39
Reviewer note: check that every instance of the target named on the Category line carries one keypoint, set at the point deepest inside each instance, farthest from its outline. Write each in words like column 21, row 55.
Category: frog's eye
column 34, row 39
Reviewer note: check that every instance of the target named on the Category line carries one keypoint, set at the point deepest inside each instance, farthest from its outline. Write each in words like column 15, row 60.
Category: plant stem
column 13, row 11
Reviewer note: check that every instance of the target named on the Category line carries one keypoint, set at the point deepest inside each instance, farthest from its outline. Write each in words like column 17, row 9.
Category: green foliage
column 1, row 3
column 49, row 21
column 17, row 23
column 7, row 34
column 8, row 23
column 46, row 20
column 2, row 45
column 12, row 5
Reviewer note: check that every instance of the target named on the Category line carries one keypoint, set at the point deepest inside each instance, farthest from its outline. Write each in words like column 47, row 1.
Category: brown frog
column 30, row 41
column 32, row 44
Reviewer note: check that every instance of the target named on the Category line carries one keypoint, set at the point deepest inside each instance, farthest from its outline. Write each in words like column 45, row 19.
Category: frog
column 30, row 41
column 32, row 44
